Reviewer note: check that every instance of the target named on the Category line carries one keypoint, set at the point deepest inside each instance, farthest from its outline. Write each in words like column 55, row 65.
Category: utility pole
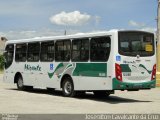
column 65, row 32
column 158, row 37
column 158, row 44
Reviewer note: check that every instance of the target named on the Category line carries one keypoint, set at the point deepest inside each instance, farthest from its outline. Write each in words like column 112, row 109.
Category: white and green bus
column 100, row 62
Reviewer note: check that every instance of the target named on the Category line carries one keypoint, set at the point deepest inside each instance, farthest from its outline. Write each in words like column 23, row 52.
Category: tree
column 1, row 62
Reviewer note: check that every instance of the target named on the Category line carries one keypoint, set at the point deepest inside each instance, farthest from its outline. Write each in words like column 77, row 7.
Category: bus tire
column 101, row 93
column 20, row 84
column 68, row 87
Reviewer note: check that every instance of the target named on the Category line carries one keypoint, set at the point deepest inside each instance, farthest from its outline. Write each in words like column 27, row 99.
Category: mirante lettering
column 32, row 68
column 127, row 62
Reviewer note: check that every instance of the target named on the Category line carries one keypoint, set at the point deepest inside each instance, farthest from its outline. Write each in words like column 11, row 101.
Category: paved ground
column 40, row 101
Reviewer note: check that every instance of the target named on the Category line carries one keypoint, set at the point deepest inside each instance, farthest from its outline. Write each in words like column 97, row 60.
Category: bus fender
column 65, row 76
column 16, row 76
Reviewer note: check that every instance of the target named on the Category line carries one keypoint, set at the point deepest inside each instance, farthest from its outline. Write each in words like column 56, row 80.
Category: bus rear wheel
column 20, row 84
column 68, row 88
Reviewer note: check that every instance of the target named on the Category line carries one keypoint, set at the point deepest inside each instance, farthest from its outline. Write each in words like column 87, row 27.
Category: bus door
column 9, row 70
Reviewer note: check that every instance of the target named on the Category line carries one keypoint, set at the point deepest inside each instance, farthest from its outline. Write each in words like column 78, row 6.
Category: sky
column 20, row 19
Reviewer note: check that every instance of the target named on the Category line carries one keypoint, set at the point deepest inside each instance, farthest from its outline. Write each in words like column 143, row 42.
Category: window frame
column 33, row 52
column 6, row 55
column 108, row 38
column 133, row 53
column 21, row 52
column 57, row 51
column 80, row 50
column 53, row 52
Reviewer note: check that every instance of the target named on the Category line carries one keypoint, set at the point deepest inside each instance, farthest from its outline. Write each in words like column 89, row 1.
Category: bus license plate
column 138, row 86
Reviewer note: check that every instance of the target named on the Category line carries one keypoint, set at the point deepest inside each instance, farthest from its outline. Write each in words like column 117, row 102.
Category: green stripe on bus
column 59, row 66
column 149, row 71
column 91, row 69
column 126, row 68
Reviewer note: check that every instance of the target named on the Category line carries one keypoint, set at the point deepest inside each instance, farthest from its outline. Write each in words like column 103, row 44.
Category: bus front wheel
column 20, row 84
column 68, row 88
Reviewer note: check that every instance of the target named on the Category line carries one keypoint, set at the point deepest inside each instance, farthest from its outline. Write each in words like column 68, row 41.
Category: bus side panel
column 40, row 75
column 96, row 76
column 85, row 76
column 92, row 83
column 8, row 76
column 47, row 76
column 91, row 76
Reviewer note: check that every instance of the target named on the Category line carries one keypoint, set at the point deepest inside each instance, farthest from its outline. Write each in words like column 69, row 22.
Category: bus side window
column 67, row 50
column 100, row 49
column 47, row 51
column 21, row 51
column 80, row 50
column 9, row 55
column 33, row 52
column 62, row 50
column 76, row 45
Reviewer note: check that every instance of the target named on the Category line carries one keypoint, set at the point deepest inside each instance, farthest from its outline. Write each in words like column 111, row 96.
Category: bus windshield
column 136, row 43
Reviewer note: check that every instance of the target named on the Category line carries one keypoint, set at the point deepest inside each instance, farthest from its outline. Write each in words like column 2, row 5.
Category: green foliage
column 1, row 62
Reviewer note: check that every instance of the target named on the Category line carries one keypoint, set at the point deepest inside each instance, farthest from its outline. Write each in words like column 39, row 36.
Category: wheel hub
column 20, row 83
column 68, row 87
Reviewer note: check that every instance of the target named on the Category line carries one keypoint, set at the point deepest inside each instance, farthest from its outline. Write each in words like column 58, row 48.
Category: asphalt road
column 13, row 101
